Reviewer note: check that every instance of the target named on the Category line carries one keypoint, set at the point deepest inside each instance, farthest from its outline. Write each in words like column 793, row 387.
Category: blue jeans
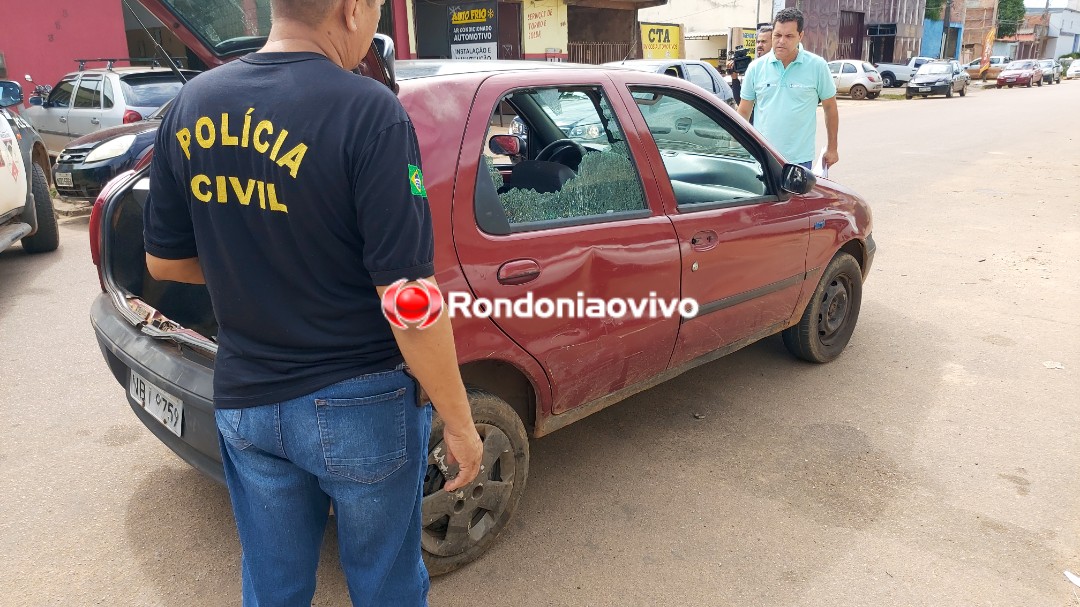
column 359, row 445
column 808, row 165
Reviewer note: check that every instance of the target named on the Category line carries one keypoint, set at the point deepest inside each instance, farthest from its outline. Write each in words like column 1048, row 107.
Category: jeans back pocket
column 364, row 438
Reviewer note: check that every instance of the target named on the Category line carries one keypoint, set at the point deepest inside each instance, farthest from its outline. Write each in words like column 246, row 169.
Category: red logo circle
column 419, row 304
column 412, row 304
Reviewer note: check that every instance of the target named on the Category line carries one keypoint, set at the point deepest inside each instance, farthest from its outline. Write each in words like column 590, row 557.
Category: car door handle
column 518, row 272
column 704, row 240
column 63, row 119
column 95, row 121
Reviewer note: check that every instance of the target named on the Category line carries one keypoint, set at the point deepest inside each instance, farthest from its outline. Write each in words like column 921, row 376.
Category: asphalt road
column 935, row 463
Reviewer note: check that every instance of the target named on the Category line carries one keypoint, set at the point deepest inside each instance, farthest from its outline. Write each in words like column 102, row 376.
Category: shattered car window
column 219, row 22
column 602, row 180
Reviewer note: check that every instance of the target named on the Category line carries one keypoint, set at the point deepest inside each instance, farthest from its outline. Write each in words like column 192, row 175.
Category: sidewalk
column 72, row 209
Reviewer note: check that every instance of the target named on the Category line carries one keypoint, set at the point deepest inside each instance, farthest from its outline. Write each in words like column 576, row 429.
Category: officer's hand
column 830, row 158
column 465, row 448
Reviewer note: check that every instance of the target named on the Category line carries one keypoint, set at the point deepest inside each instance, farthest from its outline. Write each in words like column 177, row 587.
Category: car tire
column 830, row 317
column 506, row 461
column 888, row 80
column 872, row 95
column 998, row 86
column 948, row 92
column 47, row 237
column 1040, row 82
column 908, row 96
column 1029, row 83
column 857, row 92
column 963, row 91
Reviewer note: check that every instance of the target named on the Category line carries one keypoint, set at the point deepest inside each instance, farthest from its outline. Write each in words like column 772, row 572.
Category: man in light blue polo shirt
column 783, row 89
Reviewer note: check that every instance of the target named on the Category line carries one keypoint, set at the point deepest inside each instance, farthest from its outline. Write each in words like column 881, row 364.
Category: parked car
column 698, row 72
column 997, row 62
column 896, row 74
column 858, row 79
column 89, row 162
column 26, row 208
column 677, row 199
column 1024, row 72
column 1051, row 71
column 1074, row 70
column 938, row 78
column 90, row 100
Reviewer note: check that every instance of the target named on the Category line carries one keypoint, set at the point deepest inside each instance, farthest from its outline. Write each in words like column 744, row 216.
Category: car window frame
column 848, row 64
column 687, row 69
column 74, row 79
column 760, row 153
column 565, row 222
column 100, row 79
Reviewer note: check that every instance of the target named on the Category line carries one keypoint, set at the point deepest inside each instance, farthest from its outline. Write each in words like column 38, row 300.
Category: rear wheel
column 829, row 320
column 458, row 527
column 47, row 237
column 858, row 92
column 888, row 80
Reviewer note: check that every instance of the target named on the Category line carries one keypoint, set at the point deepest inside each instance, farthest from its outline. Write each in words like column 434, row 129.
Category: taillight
column 96, row 214
column 131, row 116
column 872, row 78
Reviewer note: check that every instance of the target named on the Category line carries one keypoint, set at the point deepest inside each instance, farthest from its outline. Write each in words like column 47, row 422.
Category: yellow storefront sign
column 661, row 41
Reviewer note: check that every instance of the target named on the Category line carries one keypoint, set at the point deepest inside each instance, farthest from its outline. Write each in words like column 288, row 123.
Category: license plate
column 64, row 180
column 165, row 408
column 924, row 89
column 1010, row 80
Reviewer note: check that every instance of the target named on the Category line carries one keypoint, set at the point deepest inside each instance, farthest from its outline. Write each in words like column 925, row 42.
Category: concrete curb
column 72, row 209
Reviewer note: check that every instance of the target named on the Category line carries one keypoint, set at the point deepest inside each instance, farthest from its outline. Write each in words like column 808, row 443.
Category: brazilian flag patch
column 416, row 181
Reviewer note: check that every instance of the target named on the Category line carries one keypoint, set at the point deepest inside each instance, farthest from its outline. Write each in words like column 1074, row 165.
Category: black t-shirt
column 298, row 186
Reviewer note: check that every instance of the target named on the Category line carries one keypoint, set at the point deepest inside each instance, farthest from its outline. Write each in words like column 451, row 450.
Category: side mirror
column 36, row 101
column 506, row 145
column 797, row 179
column 10, row 93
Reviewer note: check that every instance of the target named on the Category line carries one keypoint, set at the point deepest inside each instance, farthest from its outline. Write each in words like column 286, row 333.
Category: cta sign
column 661, row 41
column 474, row 31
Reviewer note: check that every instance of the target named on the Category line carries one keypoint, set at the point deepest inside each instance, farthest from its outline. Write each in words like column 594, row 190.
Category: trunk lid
column 218, row 31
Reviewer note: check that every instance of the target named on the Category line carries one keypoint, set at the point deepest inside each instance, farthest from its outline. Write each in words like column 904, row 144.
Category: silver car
column 1051, row 71
column 89, row 100
column 857, row 79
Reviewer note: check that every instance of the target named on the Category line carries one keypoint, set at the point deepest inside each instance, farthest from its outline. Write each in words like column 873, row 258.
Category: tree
column 1010, row 17
column 934, row 9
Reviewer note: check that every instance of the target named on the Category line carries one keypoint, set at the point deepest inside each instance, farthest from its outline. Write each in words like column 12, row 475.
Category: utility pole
column 945, row 27
column 1038, row 38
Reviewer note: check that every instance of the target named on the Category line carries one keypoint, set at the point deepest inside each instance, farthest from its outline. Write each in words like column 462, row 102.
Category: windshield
column 936, row 68
column 1019, row 65
column 223, row 23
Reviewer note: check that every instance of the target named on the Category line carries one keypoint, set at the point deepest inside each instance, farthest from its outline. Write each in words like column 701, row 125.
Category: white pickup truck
column 26, row 211
column 895, row 74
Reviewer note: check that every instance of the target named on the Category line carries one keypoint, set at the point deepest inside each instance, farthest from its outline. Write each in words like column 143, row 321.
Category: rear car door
column 86, row 106
column 743, row 246
column 51, row 119
column 560, row 230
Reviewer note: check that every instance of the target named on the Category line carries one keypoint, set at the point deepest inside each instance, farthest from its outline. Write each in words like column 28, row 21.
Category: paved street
column 935, row 463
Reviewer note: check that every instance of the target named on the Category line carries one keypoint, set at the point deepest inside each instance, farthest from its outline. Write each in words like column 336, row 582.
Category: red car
column 1025, row 72
column 668, row 195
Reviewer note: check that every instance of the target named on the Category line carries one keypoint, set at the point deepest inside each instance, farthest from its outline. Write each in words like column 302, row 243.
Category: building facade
column 870, row 30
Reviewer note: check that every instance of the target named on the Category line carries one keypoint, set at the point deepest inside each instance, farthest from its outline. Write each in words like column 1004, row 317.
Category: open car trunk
column 183, row 306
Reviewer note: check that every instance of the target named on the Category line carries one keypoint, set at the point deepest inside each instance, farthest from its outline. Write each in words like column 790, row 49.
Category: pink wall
column 44, row 37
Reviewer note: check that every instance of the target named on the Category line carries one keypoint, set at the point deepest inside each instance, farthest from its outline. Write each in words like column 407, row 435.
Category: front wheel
column 948, row 92
column 458, row 527
column 47, row 237
column 963, row 90
column 829, row 320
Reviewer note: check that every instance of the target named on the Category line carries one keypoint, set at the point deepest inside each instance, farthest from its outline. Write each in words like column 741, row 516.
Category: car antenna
column 168, row 59
column 633, row 43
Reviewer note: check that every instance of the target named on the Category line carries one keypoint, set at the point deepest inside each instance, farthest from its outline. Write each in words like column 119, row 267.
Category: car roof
column 426, row 68
column 126, row 70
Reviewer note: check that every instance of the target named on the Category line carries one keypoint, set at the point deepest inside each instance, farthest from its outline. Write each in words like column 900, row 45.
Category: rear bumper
column 184, row 375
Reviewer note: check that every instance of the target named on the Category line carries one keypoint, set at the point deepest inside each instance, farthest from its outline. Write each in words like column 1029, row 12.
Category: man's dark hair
column 788, row 15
